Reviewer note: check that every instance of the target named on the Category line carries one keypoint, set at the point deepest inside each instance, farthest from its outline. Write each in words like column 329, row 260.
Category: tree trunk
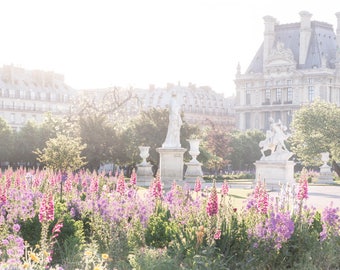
column 336, row 167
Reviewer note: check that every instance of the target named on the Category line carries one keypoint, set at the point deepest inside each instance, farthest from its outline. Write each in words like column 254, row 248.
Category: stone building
column 30, row 94
column 296, row 63
column 200, row 105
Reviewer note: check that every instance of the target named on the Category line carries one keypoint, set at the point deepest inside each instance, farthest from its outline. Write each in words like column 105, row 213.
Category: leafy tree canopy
column 62, row 153
column 316, row 129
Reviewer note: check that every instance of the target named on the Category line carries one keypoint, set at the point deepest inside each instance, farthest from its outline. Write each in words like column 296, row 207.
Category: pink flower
column 56, row 230
column 259, row 199
column 156, row 188
column 121, row 184
column 225, row 188
column 198, row 185
column 212, row 205
column 217, row 234
column 303, row 187
column 46, row 211
column 133, row 178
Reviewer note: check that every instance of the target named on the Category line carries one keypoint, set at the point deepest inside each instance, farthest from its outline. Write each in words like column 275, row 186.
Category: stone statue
column 275, row 141
column 172, row 139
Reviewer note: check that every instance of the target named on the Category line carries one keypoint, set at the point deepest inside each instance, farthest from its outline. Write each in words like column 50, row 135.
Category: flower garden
column 89, row 221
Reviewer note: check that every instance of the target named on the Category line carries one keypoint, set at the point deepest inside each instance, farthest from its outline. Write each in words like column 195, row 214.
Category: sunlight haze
column 127, row 43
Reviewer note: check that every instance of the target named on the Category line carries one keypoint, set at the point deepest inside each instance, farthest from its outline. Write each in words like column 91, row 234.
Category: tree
column 100, row 139
column 6, row 140
column 62, row 153
column 27, row 139
column 245, row 148
column 149, row 128
column 215, row 148
column 316, row 129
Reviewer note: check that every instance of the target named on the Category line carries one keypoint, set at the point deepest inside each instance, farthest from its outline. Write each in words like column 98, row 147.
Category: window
column 278, row 95
column 311, row 93
column 248, row 97
column 266, row 116
column 289, row 94
column 247, row 120
column 267, row 96
column 289, row 82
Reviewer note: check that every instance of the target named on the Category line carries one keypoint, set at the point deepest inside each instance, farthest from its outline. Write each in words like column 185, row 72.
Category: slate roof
column 322, row 44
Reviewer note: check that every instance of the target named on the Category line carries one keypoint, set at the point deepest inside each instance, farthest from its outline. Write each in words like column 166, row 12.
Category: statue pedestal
column 275, row 172
column 326, row 176
column 144, row 175
column 194, row 170
column 171, row 165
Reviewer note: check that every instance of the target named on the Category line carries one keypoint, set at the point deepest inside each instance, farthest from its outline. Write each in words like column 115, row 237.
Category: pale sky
column 135, row 43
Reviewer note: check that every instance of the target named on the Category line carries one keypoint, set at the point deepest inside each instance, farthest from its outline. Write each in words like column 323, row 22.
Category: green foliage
column 31, row 229
column 245, row 148
column 100, row 139
column 160, row 230
column 62, row 153
column 316, row 129
column 5, row 140
column 215, row 148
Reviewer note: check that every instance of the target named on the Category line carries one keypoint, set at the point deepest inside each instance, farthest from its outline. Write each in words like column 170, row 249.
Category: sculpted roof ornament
column 281, row 53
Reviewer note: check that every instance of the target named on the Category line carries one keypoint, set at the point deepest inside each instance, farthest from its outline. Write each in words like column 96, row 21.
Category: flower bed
column 88, row 221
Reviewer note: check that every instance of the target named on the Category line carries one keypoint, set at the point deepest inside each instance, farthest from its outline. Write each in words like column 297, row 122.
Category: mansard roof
column 322, row 46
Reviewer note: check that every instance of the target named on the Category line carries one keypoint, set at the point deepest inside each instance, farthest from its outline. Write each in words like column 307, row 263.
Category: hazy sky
column 140, row 42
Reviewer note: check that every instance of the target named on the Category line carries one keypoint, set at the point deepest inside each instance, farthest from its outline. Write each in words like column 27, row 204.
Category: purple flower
column 16, row 228
column 330, row 222
column 275, row 230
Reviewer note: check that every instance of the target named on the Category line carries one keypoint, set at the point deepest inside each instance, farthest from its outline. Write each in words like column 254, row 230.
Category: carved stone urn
column 194, row 149
column 144, row 153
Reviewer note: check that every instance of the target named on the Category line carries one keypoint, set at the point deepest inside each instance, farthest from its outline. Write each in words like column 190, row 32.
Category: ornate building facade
column 295, row 64
column 30, row 94
column 200, row 105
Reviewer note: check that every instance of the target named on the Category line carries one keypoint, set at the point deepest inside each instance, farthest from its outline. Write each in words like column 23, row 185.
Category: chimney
column 269, row 36
column 338, row 40
column 305, row 34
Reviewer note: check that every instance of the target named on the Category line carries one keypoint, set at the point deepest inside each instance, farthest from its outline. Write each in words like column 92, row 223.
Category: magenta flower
column 225, row 188
column 133, row 178
column 217, row 234
column 46, row 211
column 121, row 184
column 198, row 185
column 303, row 188
column 56, row 230
column 259, row 199
column 212, row 205
column 156, row 188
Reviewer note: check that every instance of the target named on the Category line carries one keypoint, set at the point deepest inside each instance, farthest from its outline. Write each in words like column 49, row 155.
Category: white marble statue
column 275, row 141
column 172, row 139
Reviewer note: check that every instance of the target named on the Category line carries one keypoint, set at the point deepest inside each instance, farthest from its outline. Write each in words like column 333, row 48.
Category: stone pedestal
column 194, row 167
column 171, row 165
column 144, row 169
column 144, row 175
column 326, row 176
column 275, row 172
column 193, row 171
